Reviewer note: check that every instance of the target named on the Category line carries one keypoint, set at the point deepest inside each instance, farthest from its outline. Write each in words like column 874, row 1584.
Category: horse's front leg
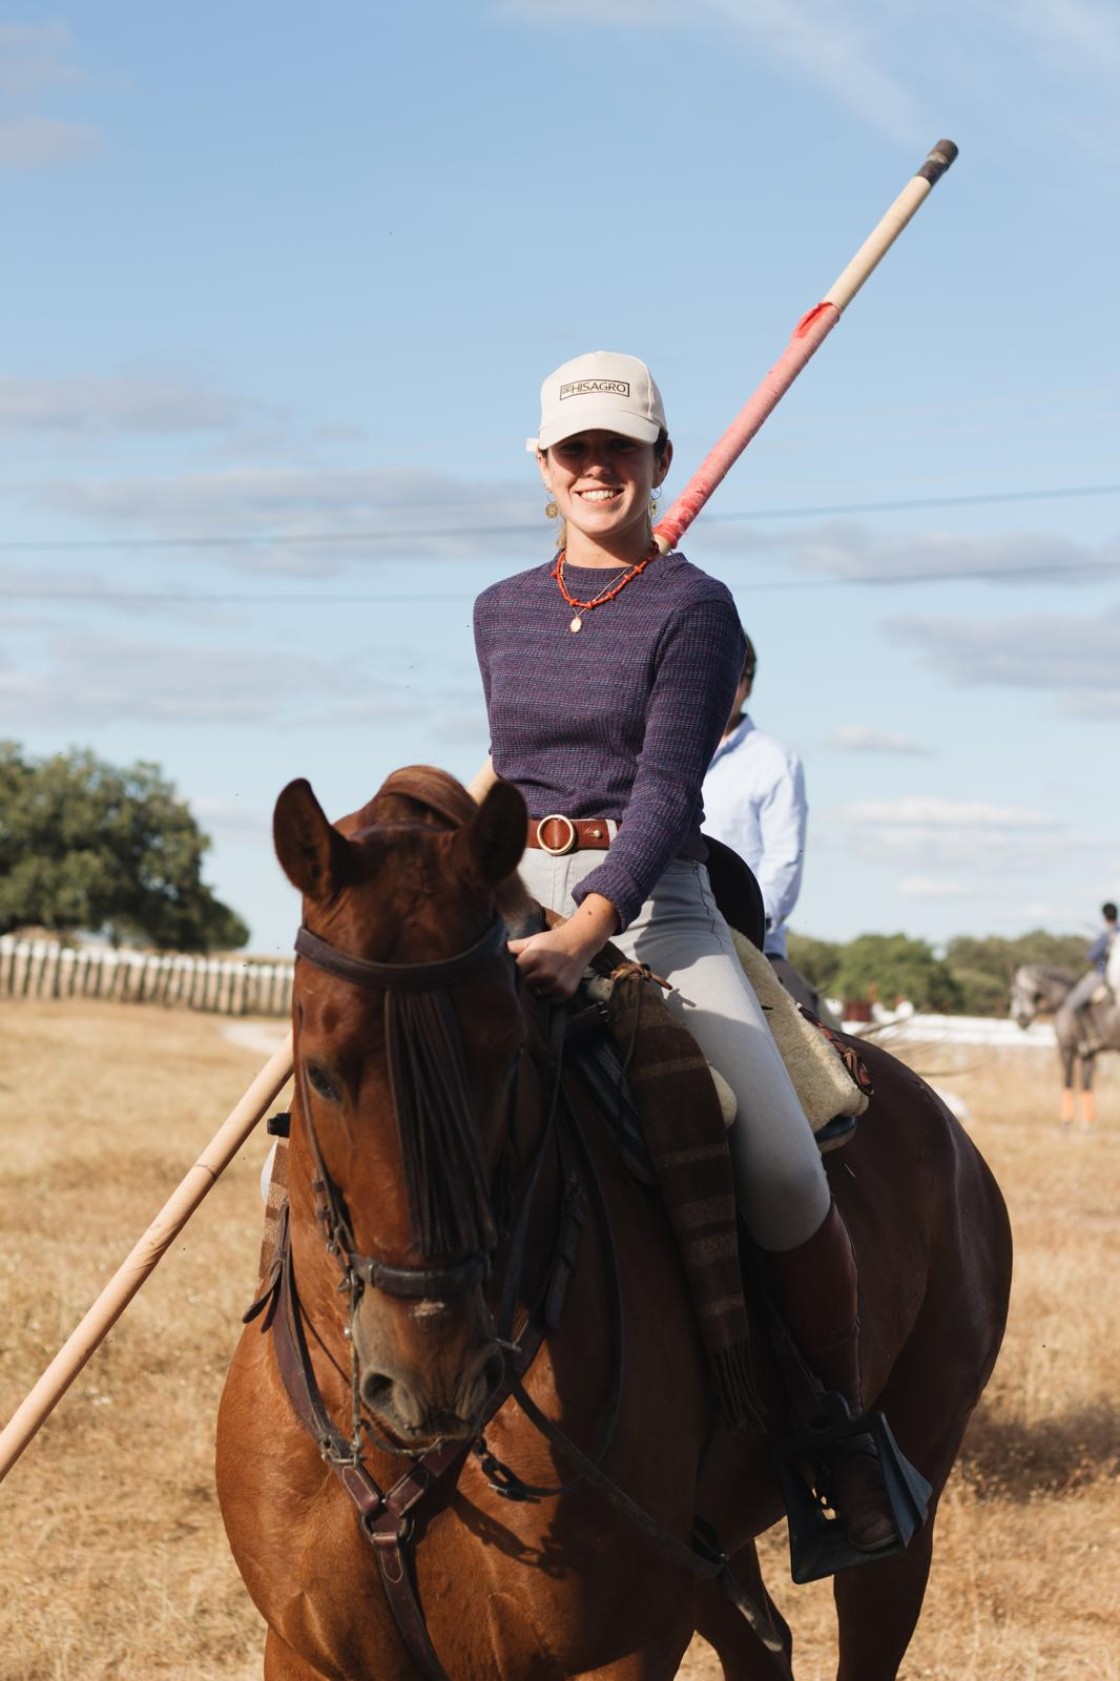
column 282, row 1664
column 1069, row 1062
column 741, row 1653
column 1088, row 1100
column 878, row 1606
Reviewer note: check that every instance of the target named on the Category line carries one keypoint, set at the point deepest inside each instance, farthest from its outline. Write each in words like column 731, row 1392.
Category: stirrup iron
column 818, row 1544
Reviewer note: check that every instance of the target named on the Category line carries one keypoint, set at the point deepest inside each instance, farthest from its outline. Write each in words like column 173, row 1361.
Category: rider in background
column 754, row 802
column 609, row 673
column 1097, row 956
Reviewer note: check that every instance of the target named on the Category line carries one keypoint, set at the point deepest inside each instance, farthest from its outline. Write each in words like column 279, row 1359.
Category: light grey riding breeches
column 1085, row 990
column 681, row 936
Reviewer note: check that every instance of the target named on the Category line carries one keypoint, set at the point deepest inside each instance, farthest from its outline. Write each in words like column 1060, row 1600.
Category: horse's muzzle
column 428, row 1368
column 418, row 1414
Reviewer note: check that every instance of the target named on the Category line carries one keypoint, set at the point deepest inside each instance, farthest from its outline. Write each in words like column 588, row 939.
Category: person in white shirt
column 754, row 801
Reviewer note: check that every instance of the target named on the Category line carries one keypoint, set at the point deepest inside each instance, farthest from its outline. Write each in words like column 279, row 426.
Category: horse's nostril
column 377, row 1390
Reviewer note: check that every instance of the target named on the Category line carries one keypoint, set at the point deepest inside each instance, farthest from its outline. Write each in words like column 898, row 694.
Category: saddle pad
column 687, row 1139
column 820, row 1078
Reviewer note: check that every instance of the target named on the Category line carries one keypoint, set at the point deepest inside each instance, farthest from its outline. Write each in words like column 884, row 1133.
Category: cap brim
column 593, row 417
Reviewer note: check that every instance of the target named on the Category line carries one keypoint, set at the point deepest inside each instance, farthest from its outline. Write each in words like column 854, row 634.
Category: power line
column 1059, row 572
column 285, row 539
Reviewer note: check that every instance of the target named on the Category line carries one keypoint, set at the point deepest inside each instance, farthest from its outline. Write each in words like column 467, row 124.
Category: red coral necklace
column 607, row 593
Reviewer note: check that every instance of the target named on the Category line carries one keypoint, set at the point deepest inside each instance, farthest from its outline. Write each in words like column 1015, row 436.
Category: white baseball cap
column 602, row 391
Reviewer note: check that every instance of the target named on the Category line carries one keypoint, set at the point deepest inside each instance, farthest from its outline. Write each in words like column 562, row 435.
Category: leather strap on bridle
column 400, row 977
column 385, row 1516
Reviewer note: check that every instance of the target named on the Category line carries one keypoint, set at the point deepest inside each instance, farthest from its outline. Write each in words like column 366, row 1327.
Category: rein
column 386, row 1516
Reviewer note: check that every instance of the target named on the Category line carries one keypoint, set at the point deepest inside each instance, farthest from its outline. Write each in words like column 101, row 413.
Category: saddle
column 656, row 1093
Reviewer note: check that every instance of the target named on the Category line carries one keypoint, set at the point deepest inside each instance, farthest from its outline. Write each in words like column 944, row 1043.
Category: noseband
column 436, row 1055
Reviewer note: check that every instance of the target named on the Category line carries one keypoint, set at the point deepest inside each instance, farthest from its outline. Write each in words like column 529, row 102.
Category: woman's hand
column 552, row 963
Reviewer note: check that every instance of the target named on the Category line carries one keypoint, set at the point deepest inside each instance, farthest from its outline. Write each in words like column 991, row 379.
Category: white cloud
column 932, row 813
column 339, row 515
column 1078, row 35
column 36, row 61
column 844, row 550
column 40, row 143
column 641, row 13
column 960, row 840
column 85, row 682
column 929, row 887
column 1094, row 706
column 35, row 57
column 886, row 63
column 1075, row 656
column 92, row 681
column 829, row 43
column 232, row 822
column 862, row 738
column 124, row 403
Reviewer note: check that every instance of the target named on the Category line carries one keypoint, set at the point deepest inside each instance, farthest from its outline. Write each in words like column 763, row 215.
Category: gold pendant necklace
column 608, row 592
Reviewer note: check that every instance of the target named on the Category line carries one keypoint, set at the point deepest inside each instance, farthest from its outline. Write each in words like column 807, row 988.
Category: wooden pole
column 151, row 1248
column 808, row 336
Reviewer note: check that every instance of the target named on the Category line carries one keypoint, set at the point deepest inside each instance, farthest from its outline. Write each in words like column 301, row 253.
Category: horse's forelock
column 422, row 796
column 433, row 789
column 416, row 795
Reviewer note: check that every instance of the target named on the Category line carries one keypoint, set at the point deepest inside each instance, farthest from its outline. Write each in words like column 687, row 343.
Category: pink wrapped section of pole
column 810, row 332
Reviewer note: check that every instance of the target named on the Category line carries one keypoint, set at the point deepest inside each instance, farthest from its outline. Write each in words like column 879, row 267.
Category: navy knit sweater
column 618, row 721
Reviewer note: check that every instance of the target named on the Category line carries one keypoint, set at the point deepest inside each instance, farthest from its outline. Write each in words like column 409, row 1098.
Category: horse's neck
column 1055, row 983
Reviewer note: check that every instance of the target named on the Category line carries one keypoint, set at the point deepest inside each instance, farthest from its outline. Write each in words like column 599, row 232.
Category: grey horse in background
column 1038, row 989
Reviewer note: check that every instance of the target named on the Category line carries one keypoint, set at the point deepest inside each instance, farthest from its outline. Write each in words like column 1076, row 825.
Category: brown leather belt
column 559, row 835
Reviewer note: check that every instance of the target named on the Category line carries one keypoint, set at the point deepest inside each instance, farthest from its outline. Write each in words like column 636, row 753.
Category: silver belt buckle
column 569, row 844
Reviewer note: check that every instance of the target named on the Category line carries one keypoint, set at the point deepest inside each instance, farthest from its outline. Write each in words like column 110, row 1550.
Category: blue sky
column 281, row 284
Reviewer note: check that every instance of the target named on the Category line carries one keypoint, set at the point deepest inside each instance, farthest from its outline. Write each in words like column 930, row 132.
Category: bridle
column 431, row 978
column 387, row 1516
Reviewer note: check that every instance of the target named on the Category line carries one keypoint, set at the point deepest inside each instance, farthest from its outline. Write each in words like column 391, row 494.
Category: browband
column 400, row 977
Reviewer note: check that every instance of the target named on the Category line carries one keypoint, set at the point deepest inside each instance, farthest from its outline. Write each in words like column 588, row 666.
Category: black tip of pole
column 940, row 157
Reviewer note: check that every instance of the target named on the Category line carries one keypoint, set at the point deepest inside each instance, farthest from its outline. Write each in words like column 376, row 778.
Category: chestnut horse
column 404, row 1350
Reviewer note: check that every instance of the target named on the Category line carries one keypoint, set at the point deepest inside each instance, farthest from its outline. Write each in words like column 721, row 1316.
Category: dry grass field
column 111, row 1550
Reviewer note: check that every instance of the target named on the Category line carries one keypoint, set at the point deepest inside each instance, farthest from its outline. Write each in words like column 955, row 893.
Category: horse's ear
column 312, row 853
column 490, row 845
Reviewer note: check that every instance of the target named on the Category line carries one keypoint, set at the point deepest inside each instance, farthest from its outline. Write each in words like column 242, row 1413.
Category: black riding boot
column 815, row 1286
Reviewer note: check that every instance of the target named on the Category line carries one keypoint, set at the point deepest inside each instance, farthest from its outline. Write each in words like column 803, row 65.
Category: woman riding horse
column 609, row 673
column 472, row 1442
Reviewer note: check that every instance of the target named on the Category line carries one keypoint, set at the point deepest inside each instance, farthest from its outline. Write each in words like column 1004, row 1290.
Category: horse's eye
column 320, row 1081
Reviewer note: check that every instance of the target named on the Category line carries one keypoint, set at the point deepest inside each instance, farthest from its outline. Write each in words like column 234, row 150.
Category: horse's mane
column 1048, row 973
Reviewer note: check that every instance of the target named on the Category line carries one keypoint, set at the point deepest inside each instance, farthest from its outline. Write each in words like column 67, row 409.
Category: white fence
column 226, row 986
column 916, row 1029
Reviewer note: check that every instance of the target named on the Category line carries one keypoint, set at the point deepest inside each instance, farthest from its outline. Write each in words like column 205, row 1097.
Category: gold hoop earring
column 655, row 504
column 550, row 509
